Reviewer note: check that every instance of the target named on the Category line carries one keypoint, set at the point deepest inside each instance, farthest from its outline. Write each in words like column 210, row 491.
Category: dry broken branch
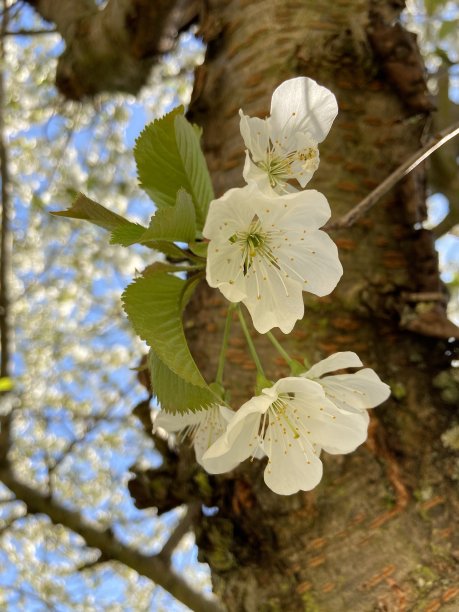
column 408, row 166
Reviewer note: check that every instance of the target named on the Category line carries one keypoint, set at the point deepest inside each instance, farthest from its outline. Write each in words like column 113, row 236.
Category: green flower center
column 278, row 166
column 254, row 242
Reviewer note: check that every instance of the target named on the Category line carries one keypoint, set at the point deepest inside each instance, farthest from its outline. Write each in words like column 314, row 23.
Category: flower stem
column 250, row 344
column 226, row 333
column 295, row 366
column 277, row 345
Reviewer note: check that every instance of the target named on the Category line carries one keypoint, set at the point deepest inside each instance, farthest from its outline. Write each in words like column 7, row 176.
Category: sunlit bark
column 383, row 516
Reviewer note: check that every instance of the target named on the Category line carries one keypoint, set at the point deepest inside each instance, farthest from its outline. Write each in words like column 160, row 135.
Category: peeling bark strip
column 112, row 49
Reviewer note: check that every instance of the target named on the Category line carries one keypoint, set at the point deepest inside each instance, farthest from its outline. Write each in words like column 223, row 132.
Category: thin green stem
column 296, row 368
column 250, row 344
column 279, row 347
column 226, row 333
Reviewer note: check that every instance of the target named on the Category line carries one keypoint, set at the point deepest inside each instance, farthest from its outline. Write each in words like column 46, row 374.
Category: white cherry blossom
column 266, row 250
column 283, row 146
column 350, row 392
column 202, row 427
column 291, row 422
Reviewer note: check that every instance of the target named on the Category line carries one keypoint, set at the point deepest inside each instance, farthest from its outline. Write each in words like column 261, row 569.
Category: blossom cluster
column 265, row 248
column 290, row 423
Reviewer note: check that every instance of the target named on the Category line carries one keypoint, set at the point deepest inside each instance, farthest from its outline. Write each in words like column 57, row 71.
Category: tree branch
column 5, row 234
column 410, row 164
column 30, row 32
column 447, row 224
column 114, row 48
column 65, row 14
column 150, row 566
column 179, row 532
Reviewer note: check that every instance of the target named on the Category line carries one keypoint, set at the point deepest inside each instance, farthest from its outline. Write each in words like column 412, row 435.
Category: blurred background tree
column 79, row 79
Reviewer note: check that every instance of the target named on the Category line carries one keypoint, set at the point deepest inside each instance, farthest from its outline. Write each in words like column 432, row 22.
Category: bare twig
column 410, row 164
column 5, row 437
column 426, row 296
column 150, row 566
column 94, row 422
column 183, row 527
column 448, row 223
column 12, row 9
column 30, row 32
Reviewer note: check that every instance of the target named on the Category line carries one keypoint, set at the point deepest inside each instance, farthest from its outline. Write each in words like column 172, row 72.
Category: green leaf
column 171, row 250
column 168, row 156
column 175, row 394
column 85, row 208
column 196, row 166
column 6, row 384
column 153, row 304
column 197, row 130
column 175, row 224
column 164, row 266
column 127, row 234
column 188, row 290
column 158, row 161
column 199, row 248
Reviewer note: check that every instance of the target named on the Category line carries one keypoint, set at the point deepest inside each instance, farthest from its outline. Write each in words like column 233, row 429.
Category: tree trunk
column 378, row 532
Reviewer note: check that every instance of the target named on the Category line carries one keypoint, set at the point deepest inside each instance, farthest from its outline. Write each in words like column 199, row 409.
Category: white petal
column 279, row 302
column 338, row 432
column 303, row 169
column 297, row 211
column 212, row 426
column 302, row 175
column 356, row 392
column 313, row 259
column 297, row 384
column 292, row 465
column 255, row 133
column 226, row 414
column 229, row 214
column 337, row 361
column 223, row 270
column 323, row 423
column 301, row 104
column 240, row 439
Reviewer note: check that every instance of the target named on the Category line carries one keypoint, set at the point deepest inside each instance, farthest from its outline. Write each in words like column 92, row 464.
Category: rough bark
column 378, row 532
column 114, row 48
